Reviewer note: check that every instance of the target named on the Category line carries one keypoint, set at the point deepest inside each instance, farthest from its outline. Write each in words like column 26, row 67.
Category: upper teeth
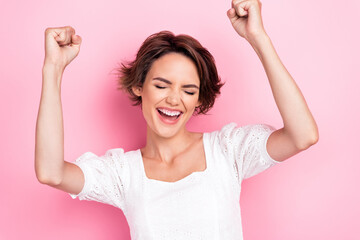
column 170, row 113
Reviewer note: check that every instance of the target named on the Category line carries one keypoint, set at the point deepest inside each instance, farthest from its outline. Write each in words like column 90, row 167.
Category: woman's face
column 169, row 94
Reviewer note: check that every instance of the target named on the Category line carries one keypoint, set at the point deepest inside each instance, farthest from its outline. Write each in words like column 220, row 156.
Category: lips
column 169, row 116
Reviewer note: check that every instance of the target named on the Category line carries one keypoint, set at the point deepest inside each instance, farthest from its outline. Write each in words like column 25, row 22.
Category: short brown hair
column 161, row 43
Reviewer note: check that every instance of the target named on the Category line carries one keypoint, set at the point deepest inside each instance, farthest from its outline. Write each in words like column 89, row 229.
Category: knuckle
column 69, row 28
column 70, row 31
column 47, row 30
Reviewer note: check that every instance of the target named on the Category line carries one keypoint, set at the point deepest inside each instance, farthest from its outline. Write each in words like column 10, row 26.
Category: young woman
column 181, row 184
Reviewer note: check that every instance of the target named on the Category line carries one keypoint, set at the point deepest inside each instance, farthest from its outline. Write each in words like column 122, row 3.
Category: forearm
column 49, row 142
column 299, row 123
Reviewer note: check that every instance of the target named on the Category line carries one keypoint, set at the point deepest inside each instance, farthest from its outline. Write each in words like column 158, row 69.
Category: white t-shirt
column 202, row 205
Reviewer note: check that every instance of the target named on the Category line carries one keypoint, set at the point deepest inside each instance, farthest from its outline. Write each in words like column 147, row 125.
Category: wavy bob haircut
column 133, row 73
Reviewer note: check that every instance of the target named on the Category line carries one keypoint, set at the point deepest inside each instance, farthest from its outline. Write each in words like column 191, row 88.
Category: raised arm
column 300, row 130
column 61, row 47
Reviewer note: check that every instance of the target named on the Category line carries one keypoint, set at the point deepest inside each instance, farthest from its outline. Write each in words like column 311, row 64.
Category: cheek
column 149, row 101
column 146, row 110
column 152, row 97
column 190, row 100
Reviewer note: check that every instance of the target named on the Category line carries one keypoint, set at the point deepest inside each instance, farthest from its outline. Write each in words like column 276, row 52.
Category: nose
column 173, row 98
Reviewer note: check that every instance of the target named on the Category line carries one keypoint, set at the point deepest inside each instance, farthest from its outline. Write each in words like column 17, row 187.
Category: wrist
column 52, row 74
column 260, row 43
column 257, row 39
column 51, row 67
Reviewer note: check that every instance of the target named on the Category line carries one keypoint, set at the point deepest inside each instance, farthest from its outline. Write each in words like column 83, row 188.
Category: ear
column 137, row 90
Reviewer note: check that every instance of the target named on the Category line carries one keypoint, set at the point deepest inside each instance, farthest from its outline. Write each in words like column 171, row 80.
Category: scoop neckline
column 184, row 179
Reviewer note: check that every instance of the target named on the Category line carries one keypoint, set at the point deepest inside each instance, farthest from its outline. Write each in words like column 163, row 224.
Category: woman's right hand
column 61, row 46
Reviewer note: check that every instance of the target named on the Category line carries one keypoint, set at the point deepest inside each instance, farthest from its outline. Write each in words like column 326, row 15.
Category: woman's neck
column 165, row 149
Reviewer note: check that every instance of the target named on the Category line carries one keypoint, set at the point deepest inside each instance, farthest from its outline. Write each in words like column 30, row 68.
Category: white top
column 202, row 205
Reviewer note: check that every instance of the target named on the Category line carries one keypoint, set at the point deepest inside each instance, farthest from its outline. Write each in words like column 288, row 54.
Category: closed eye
column 160, row 87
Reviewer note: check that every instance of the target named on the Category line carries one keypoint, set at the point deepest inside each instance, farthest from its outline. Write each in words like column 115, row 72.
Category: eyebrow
column 169, row 82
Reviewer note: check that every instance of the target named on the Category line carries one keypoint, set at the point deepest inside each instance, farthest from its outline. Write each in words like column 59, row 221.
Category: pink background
column 313, row 195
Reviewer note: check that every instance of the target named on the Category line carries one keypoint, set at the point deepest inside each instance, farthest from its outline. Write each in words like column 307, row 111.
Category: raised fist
column 245, row 17
column 61, row 46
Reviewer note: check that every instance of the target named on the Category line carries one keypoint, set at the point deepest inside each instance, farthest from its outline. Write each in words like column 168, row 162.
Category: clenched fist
column 245, row 17
column 61, row 46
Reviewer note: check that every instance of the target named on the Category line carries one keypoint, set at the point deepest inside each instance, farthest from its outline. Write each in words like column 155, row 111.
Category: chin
column 168, row 131
column 163, row 133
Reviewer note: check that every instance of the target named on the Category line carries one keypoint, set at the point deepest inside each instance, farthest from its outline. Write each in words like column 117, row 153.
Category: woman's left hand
column 245, row 17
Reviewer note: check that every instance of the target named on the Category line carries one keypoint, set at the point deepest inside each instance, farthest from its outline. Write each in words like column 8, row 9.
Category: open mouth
column 168, row 114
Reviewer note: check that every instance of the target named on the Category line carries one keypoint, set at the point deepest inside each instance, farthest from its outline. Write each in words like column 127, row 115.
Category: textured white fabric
column 203, row 205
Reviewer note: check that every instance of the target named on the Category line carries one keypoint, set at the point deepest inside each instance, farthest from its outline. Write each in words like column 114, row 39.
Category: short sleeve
column 245, row 146
column 106, row 177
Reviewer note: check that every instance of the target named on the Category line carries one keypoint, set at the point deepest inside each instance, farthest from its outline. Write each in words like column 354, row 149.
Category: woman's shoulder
column 121, row 154
column 232, row 126
column 113, row 157
column 114, row 152
column 230, row 132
